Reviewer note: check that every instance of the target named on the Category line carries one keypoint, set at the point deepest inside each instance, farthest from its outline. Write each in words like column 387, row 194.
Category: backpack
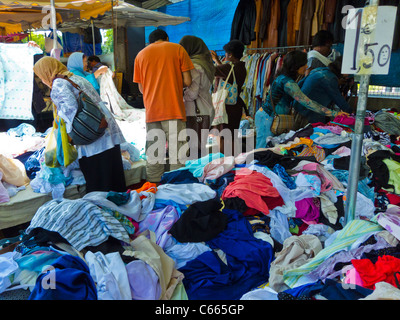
column 89, row 123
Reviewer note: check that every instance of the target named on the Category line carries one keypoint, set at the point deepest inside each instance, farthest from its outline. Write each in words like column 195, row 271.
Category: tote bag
column 219, row 101
column 232, row 89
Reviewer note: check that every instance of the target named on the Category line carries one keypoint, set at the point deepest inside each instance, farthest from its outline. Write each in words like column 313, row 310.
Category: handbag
column 198, row 123
column 89, row 123
column 232, row 97
column 282, row 123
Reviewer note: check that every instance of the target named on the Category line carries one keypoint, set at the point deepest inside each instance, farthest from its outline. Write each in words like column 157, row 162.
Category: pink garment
column 349, row 120
column 328, row 180
column 251, row 186
column 308, row 209
column 343, row 152
column 334, row 129
column 353, row 277
column 217, row 168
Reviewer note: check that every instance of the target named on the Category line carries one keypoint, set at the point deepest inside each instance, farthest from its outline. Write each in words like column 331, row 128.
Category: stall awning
column 127, row 15
column 86, row 8
column 22, row 19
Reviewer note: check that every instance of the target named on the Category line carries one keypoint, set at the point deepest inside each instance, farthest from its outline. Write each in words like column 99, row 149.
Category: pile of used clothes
column 268, row 224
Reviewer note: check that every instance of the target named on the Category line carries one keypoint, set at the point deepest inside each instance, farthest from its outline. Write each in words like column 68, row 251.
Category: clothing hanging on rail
column 261, row 71
column 273, row 23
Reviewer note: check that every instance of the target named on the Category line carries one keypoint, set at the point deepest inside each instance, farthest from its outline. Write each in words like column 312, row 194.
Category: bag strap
column 229, row 75
column 272, row 102
column 196, row 107
column 60, row 76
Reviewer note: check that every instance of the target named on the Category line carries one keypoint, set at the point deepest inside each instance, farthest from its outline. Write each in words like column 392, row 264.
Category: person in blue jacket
column 323, row 86
column 77, row 64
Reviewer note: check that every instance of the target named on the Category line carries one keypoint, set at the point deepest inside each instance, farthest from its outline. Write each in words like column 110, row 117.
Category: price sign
column 369, row 40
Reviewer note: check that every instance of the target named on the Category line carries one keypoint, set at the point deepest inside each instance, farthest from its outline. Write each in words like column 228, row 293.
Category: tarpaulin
column 209, row 20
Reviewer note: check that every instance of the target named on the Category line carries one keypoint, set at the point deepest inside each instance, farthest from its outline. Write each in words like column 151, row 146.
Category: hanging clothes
column 307, row 15
column 293, row 20
column 283, row 23
column 272, row 34
column 244, row 20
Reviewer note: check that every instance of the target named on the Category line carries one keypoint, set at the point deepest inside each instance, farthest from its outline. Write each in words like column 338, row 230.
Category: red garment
column 271, row 202
column 382, row 270
column 252, row 186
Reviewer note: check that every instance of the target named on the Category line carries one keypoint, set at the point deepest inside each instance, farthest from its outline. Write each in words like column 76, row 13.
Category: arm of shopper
column 293, row 89
column 334, row 92
column 215, row 57
column 187, row 79
column 192, row 92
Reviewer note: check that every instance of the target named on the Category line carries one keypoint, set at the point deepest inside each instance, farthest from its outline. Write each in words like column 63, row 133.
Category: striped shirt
column 80, row 222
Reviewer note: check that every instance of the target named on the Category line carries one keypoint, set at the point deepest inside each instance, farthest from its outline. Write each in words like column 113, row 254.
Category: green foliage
column 37, row 37
column 108, row 41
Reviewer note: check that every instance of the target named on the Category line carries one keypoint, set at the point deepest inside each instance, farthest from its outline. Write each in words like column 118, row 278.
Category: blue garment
column 263, row 122
column 333, row 290
column 322, row 86
column 286, row 178
column 160, row 204
column 178, row 177
column 72, row 281
column 248, row 262
column 75, row 65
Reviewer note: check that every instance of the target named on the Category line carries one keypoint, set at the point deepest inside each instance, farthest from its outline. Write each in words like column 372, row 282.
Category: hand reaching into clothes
column 100, row 71
column 342, row 113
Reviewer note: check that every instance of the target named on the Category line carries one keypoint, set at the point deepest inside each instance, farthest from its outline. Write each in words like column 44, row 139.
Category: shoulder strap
column 60, row 76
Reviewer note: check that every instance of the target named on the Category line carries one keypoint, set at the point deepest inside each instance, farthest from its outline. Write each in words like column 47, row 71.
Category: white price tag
column 369, row 40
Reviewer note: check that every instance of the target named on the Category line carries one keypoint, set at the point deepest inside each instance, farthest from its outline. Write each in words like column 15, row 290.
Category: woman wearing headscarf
column 197, row 97
column 99, row 161
column 77, row 64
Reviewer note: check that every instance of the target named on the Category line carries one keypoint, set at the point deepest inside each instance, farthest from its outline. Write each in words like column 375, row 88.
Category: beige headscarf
column 47, row 68
column 199, row 54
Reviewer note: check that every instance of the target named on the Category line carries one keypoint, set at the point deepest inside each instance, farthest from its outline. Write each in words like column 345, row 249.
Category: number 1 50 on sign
column 369, row 39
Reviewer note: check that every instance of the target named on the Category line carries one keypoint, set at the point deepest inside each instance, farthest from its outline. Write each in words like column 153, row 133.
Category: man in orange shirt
column 162, row 70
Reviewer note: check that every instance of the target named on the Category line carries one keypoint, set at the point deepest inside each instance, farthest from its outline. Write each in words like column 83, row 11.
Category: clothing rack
column 279, row 48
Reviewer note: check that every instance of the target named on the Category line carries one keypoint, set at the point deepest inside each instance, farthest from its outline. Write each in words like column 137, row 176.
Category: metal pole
column 93, row 39
column 356, row 146
column 53, row 22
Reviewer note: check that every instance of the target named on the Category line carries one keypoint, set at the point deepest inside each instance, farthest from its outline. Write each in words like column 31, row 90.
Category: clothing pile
column 268, row 224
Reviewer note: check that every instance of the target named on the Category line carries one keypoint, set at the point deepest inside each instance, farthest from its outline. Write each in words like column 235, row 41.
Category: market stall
column 267, row 224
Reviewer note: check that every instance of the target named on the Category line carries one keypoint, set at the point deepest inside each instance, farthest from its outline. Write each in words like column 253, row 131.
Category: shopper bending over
column 322, row 86
column 100, row 161
column 283, row 92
